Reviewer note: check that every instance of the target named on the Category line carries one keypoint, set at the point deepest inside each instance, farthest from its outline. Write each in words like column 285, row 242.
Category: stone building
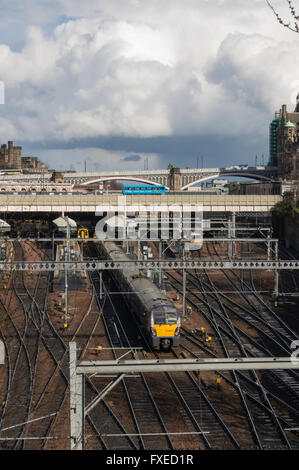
column 262, row 188
column 285, row 141
column 33, row 164
column 10, row 156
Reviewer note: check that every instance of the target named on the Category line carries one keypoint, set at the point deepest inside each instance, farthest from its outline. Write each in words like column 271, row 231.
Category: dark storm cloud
column 132, row 158
column 180, row 151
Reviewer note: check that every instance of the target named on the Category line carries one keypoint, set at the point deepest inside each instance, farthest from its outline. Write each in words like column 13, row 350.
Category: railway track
column 37, row 367
column 276, row 328
column 262, row 417
column 247, row 385
column 199, row 409
column 289, row 283
column 144, row 419
column 44, row 349
column 183, row 391
column 25, row 361
column 145, row 416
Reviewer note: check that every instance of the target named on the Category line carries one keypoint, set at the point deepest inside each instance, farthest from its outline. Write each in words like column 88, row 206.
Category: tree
column 282, row 209
column 295, row 14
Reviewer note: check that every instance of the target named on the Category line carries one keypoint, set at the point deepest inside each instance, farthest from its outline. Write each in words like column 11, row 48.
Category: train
column 83, row 233
column 195, row 243
column 156, row 315
column 144, row 189
column 47, row 193
column 11, row 172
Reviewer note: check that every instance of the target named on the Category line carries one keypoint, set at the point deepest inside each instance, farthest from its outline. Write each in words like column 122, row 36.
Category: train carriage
column 144, row 189
column 155, row 313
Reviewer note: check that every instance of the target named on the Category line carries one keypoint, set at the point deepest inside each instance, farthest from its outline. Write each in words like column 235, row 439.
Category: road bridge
column 173, row 178
column 92, row 203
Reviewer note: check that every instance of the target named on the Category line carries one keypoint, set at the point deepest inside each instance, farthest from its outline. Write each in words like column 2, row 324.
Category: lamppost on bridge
column 197, row 161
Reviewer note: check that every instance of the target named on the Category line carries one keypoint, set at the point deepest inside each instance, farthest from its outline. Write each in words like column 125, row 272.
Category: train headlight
column 177, row 332
column 154, row 333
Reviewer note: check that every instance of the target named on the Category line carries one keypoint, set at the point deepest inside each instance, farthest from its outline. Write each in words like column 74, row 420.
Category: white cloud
column 144, row 68
column 35, row 64
column 257, row 70
column 7, row 128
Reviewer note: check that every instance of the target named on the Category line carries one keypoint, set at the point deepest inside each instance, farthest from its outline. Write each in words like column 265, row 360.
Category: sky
column 135, row 84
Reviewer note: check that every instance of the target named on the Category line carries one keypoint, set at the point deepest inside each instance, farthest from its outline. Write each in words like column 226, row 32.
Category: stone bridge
column 175, row 179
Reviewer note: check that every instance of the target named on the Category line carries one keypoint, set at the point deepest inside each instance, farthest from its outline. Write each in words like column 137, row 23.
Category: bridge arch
column 123, row 178
column 233, row 173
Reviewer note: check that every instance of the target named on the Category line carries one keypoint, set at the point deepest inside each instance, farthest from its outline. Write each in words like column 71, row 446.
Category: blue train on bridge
column 144, row 189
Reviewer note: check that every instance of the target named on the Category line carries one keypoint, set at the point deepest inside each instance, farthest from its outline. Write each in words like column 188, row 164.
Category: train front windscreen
column 165, row 327
column 168, row 316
